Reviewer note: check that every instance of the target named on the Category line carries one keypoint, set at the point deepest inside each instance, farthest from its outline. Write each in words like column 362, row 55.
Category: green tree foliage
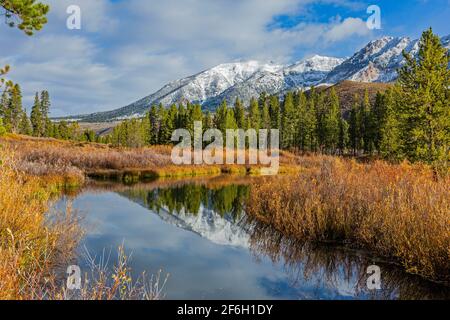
column 25, row 125
column 332, row 119
column 254, row 116
column 2, row 128
column 239, row 114
column 288, row 122
column 355, row 126
column 423, row 97
column 36, row 118
column 31, row 15
column 390, row 138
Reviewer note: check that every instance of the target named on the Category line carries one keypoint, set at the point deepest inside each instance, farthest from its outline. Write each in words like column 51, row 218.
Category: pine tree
column 331, row 122
column 15, row 108
column 311, row 123
column 165, row 132
column 321, row 112
column 367, row 127
column 288, row 122
column 29, row 16
column 154, row 125
column 424, row 102
column 275, row 112
column 378, row 118
column 355, row 126
column 221, row 117
column 45, row 109
column 302, row 140
column 36, row 118
column 254, row 116
column 63, row 129
column 239, row 114
column 147, row 128
column 265, row 117
column 208, row 121
column 25, row 125
column 344, row 138
column 5, row 113
column 390, row 143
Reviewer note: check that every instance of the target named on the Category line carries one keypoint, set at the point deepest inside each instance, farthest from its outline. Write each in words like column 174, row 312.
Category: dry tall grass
column 36, row 247
column 396, row 211
column 31, row 246
column 72, row 161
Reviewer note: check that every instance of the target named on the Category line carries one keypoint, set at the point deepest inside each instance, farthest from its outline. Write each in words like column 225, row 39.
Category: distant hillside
column 346, row 90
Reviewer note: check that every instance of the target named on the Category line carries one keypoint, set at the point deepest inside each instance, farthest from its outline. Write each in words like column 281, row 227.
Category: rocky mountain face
column 375, row 63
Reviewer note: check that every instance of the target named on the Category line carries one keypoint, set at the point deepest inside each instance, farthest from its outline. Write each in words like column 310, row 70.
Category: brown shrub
column 396, row 211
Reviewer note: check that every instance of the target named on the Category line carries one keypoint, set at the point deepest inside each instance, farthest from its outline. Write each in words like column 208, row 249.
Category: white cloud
column 347, row 28
column 129, row 49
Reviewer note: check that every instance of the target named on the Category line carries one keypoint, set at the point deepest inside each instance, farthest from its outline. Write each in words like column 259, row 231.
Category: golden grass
column 31, row 246
column 36, row 246
column 396, row 211
column 69, row 162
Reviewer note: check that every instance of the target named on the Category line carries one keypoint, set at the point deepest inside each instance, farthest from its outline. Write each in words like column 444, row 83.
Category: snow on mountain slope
column 209, row 225
column 303, row 74
column 376, row 62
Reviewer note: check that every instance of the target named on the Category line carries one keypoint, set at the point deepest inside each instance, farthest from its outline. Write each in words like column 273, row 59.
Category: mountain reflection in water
column 215, row 211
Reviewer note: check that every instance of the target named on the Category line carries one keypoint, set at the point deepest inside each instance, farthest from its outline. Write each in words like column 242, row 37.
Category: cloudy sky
column 127, row 49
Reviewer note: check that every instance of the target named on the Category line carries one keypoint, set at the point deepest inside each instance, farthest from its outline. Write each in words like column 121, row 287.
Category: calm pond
column 198, row 233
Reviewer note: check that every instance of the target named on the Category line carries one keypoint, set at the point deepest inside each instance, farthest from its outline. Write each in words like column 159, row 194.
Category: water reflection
column 232, row 256
column 339, row 267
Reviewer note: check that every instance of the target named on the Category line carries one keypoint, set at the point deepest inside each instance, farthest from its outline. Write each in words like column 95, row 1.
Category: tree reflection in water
column 326, row 265
column 331, row 266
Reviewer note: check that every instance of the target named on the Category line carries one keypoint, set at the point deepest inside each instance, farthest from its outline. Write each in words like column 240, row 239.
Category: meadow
column 399, row 212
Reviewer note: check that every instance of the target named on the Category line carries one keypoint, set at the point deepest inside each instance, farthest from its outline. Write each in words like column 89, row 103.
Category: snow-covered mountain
column 378, row 61
column 209, row 225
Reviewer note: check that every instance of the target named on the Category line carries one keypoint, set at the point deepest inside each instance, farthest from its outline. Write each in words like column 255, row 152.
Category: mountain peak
column 378, row 61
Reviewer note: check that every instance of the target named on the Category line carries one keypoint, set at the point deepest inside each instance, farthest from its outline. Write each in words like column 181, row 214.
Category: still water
column 198, row 234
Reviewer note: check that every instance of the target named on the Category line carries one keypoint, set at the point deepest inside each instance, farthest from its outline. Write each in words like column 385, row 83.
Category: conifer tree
column 275, row 112
column 154, row 125
column 221, row 117
column 29, row 16
column 45, row 110
column 254, row 116
column 288, row 122
column 378, row 118
column 25, row 125
column 265, row 117
column 164, row 131
column 36, row 118
column 355, row 126
column 424, row 102
column 344, row 138
column 331, row 122
column 311, row 123
column 390, row 144
column 15, row 108
column 5, row 112
column 367, row 127
column 239, row 114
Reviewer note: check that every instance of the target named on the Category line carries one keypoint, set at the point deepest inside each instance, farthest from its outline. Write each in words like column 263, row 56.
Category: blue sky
column 128, row 49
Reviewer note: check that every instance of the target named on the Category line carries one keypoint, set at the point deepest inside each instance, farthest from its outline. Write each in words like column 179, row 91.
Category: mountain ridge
column 377, row 62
